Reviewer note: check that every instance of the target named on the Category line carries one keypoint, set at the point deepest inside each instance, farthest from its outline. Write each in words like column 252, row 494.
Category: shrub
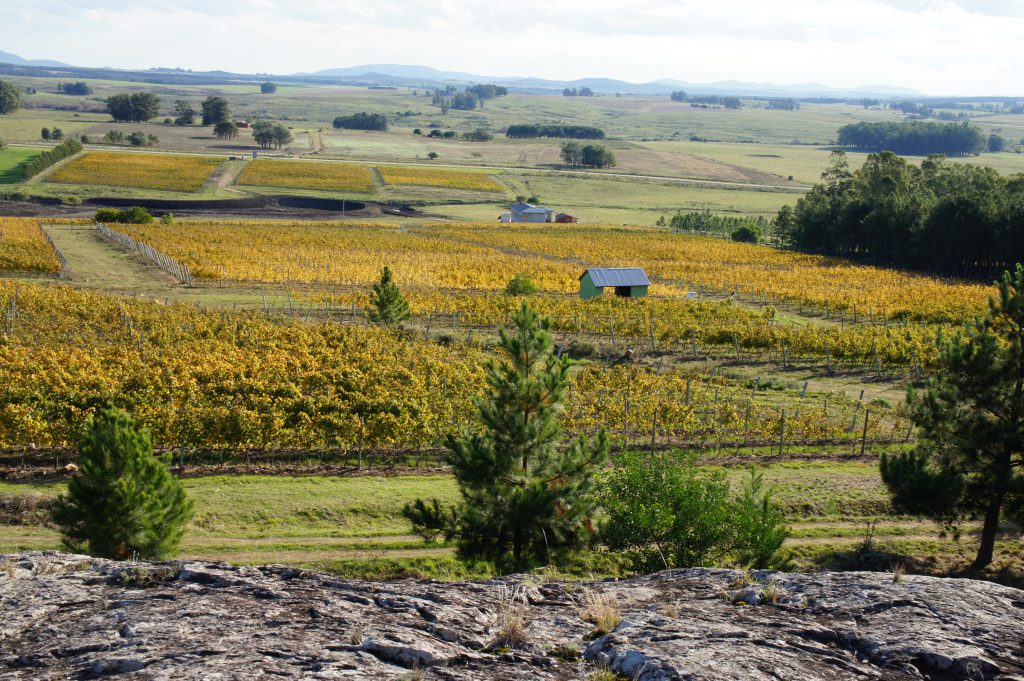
column 521, row 285
column 665, row 512
column 125, row 503
column 108, row 215
column 135, row 215
column 747, row 234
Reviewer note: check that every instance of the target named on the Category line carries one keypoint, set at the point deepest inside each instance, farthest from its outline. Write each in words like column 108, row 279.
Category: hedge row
column 48, row 158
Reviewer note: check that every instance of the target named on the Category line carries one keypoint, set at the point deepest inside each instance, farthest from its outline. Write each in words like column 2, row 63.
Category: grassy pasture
column 353, row 525
column 638, row 199
column 25, row 125
column 438, row 177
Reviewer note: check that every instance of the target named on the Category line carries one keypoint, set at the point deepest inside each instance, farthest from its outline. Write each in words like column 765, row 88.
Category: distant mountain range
column 403, row 74
column 8, row 58
column 411, row 75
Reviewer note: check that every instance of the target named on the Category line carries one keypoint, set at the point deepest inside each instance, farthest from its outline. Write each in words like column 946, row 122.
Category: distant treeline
column 472, row 97
column 727, row 102
column 48, row 158
column 915, row 137
column 942, row 217
column 77, row 88
column 362, row 121
column 706, row 221
column 783, row 104
column 531, row 130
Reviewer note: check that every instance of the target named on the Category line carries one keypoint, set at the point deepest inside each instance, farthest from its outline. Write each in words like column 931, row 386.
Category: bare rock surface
column 66, row 616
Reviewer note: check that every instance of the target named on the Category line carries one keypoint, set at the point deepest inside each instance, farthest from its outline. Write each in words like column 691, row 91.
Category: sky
column 940, row 47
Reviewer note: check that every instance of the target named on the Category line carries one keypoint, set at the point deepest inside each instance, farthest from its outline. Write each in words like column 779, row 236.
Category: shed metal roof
column 617, row 276
column 527, row 208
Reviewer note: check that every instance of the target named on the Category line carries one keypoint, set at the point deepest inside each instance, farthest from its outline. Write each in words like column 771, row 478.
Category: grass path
column 96, row 264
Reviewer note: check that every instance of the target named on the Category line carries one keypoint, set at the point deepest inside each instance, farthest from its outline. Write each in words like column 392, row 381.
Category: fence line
column 176, row 269
column 63, row 274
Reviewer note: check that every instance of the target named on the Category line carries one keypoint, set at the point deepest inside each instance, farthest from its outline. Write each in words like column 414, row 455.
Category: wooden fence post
column 864, row 436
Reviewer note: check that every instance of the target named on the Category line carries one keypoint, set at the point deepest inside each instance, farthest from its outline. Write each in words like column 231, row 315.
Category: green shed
column 627, row 282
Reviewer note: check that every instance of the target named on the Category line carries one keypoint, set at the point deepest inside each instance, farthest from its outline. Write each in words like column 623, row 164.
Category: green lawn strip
column 353, row 526
column 11, row 161
column 254, row 506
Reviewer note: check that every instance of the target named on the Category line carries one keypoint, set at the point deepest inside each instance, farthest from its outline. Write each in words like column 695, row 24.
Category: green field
column 765, row 152
column 353, row 525
column 11, row 160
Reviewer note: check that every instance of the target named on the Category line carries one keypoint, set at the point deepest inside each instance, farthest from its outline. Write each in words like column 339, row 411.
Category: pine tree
column 124, row 503
column 970, row 455
column 389, row 307
column 527, row 499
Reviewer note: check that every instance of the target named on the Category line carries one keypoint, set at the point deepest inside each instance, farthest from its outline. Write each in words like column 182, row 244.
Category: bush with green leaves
column 521, row 285
column 136, row 215
column 747, row 234
column 664, row 512
column 124, row 503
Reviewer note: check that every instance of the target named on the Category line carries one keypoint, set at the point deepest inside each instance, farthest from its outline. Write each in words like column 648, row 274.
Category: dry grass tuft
column 772, row 593
column 511, row 619
column 601, row 610
column 355, row 637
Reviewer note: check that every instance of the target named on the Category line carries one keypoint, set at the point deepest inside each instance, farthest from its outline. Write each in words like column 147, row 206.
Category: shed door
column 622, row 291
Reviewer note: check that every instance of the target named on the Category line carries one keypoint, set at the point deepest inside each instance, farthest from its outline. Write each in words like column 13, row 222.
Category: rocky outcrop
column 66, row 616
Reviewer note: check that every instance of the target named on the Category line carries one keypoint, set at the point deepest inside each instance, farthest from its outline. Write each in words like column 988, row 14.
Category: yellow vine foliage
column 676, row 325
column 199, row 378
column 307, row 175
column 693, row 261
column 241, row 380
column 485, row 256
column 332, row 253
column 23, row 247
column 437, row 177
column 168, row 172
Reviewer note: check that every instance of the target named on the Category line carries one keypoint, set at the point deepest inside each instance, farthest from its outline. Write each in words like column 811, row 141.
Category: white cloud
column 939, row 46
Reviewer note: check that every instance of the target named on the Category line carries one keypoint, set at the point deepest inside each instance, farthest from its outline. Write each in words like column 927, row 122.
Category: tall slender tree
column 527, row 497
column 970, row 456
